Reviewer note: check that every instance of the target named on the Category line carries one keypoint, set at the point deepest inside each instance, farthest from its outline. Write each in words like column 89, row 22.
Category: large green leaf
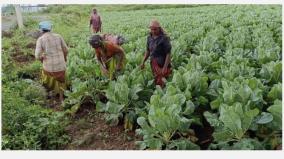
column 214, row 87
column 223, row 135
column 272, row 72
column 154, row 144
column 189, row 108
column 113, row 119
column 178, row 80
column 276, row 111
column 183, row 144
column 178, row 99
column 275, row 92
column 215, row 104
column 248, row 118
column 165, row 117
column 100, row 107
column 264, row 118
column 229, row 93
column 236, row 120
column 212, row 119
column 248, row 144
column 231, row 120
column 133, row 92
column 113, row 108
column 244, row 92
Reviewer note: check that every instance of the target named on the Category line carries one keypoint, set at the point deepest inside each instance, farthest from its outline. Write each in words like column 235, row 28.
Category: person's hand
column 142, row 66
column 105, row 71
column 65, row 57
column 42, row 58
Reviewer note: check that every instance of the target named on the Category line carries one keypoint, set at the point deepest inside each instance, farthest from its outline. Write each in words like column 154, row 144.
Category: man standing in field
column 159, row 49
column 95, row 21
column 52, row 51
column 110, row 56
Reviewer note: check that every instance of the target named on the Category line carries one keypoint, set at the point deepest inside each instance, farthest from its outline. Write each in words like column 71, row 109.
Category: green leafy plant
column 122, row 100
column 233, row 122
column 164, row 120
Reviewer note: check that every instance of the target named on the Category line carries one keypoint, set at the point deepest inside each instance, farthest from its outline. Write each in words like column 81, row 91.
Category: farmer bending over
column 110, row 56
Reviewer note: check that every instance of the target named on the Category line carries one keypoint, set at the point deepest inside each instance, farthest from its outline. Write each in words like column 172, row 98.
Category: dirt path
column 91, row 132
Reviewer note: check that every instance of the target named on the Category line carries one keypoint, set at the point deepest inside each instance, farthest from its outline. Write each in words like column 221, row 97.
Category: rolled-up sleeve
column 38, row 49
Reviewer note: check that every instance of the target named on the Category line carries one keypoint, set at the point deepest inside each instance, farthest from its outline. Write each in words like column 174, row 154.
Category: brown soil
column 94, row 134
column 19, row 57
column 31, row 45
column 203, row 133
column 7, row 34
column 86, row 108
column 33, row 34
column 89, row 131
column 54, row 103
column 102, row 97
column 279, row 147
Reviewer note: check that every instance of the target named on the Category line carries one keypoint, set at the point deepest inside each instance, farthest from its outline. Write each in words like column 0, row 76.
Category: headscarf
column 155, row 23
column 45, row 25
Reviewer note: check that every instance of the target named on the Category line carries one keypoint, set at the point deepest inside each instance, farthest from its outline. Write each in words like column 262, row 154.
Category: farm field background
column 225, row 92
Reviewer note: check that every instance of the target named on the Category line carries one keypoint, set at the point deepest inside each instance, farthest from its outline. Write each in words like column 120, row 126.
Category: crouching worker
column 159, row 50
column 110, row 56
column 52, row 51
